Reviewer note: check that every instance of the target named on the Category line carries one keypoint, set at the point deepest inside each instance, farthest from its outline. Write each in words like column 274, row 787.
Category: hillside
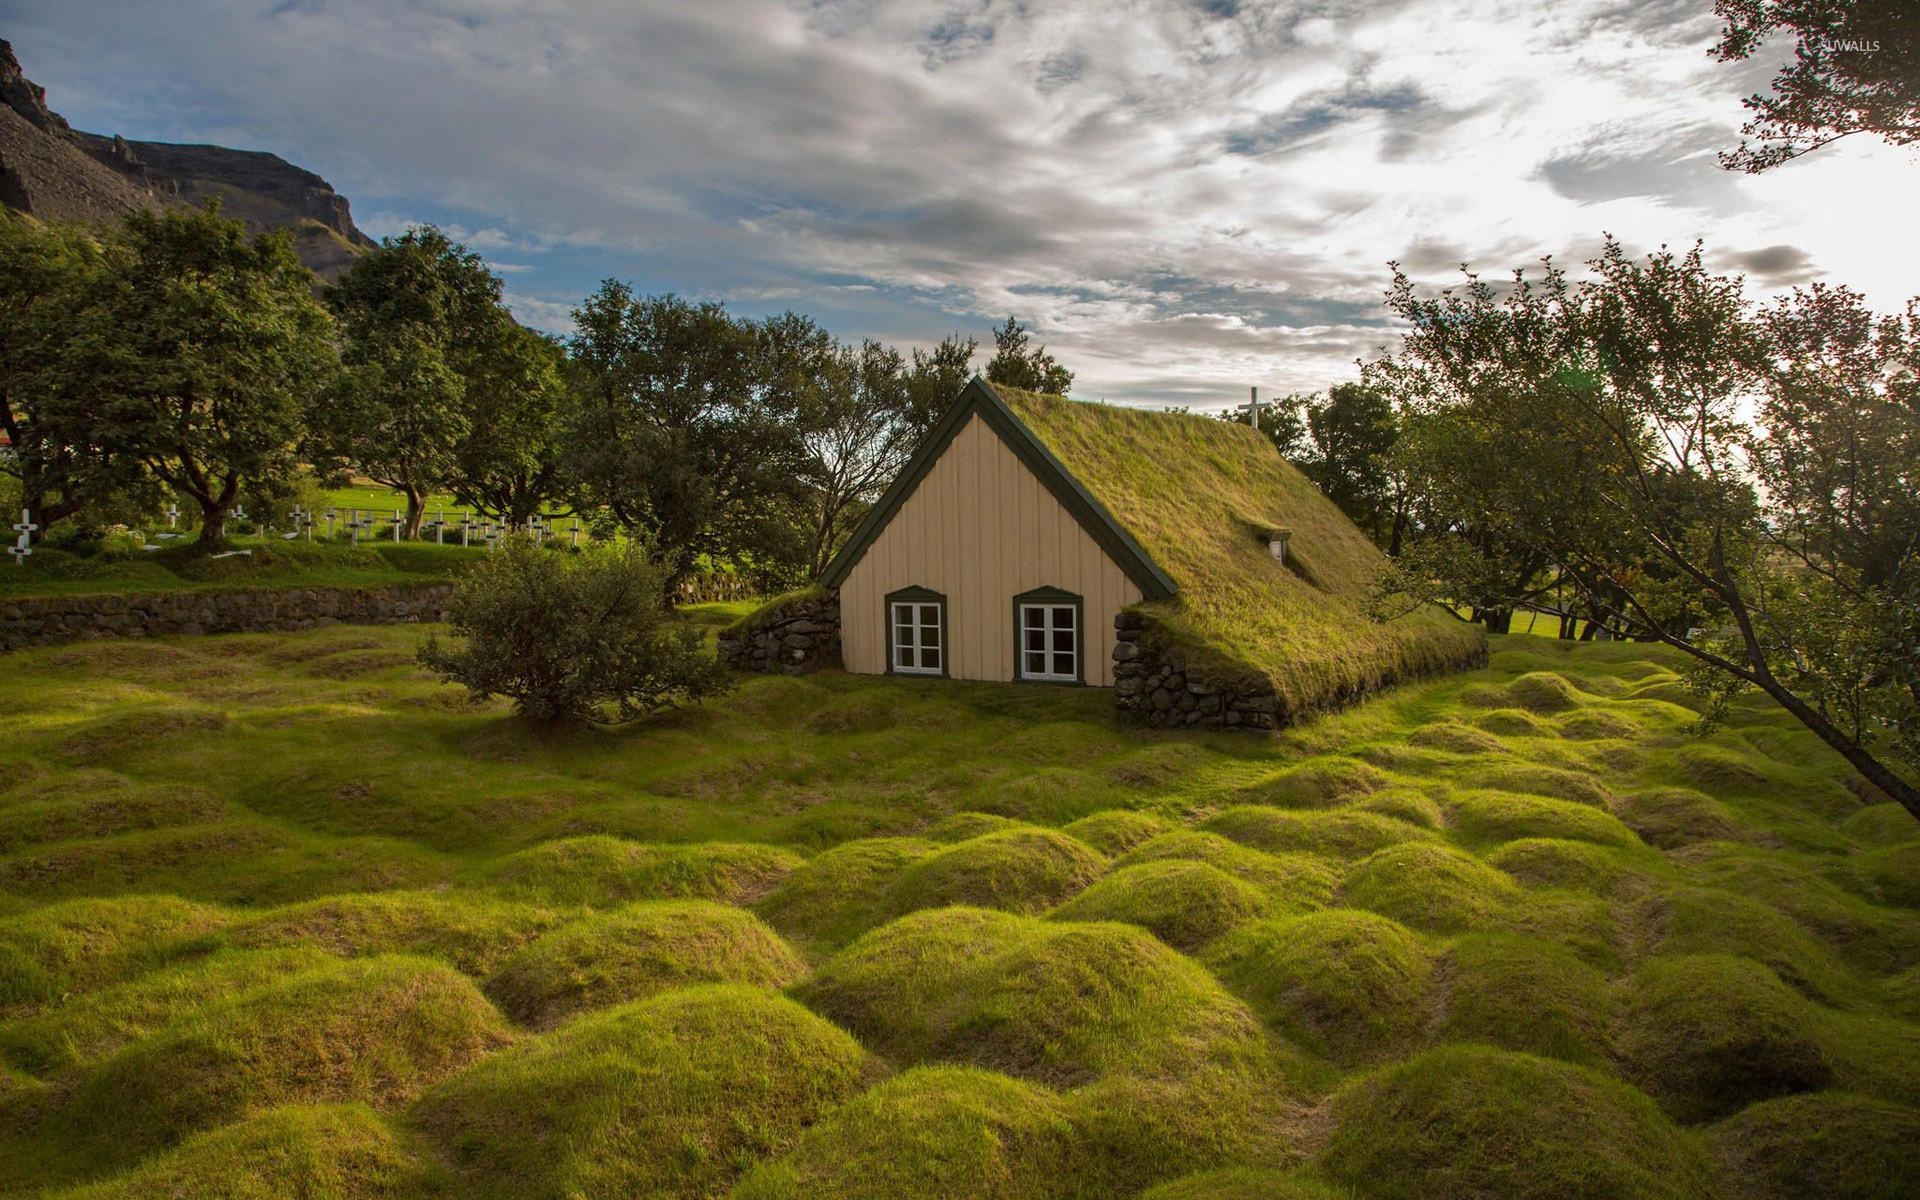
column 56, row 172
column 281, row 916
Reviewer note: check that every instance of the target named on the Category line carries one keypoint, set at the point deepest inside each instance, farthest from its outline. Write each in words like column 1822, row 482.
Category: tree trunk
column 213, row 525
column 1499, row 620
column 416, row 511
column 1905, row 794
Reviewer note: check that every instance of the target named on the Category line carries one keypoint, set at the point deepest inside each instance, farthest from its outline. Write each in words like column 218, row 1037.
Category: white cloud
column 1183, row 198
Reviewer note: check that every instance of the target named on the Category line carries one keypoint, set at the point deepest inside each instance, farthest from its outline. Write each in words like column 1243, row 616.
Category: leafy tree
column 1600, row 428
column 687, row 427
column 1354, row 430
column 566, row 635
column 420, row 319
column 936, row 377
column 207, row 351
column 1017, row 363
column 1855, row 69
column 44, row 271
column 860, row 431
column 509, row 464
column 1283, row 423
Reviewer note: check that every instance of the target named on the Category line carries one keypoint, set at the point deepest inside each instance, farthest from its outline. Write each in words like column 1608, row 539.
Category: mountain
column 59, row 173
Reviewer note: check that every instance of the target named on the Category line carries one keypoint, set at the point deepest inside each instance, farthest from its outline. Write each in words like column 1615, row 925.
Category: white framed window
column 1049, row 638
column 917, row 634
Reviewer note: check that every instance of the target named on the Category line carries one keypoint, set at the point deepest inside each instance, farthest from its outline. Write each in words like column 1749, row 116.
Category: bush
column 565, row 635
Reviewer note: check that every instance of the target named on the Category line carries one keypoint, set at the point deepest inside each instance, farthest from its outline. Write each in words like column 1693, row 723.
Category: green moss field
column 282, row 917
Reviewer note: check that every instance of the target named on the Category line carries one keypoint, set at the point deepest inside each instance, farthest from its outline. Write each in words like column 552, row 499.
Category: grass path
column 279, row 915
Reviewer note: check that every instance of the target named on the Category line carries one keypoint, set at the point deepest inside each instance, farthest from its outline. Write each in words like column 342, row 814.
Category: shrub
column 633, row 952
column 1710, row 1034
column 665, row 1097
column 1349, row 985
column 566, row 635
column 930, row 1133
column 1184, row 904
column 1475, row 1123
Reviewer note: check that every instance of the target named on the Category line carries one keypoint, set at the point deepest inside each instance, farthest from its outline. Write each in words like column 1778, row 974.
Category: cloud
column 1182, row 197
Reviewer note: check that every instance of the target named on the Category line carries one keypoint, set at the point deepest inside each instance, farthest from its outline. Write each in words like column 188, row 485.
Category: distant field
column 281, row 916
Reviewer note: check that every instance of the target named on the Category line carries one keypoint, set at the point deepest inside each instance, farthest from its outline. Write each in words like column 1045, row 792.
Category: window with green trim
column 1049, row 636
column 916, row 635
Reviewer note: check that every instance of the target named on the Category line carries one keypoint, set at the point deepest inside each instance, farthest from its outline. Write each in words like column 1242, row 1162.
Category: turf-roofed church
column 1175, row 558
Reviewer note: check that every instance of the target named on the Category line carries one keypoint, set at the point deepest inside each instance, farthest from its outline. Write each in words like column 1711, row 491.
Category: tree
column 566, row 635
column 1017, row 364
column 1602, row 427
column 509, row 464
column 1856, row 69
column 687, row 427
column 860, row 432
column 1354, row 430
column 420, row 319
column 1282, row 422
column 936, row 377
column 207, row 352
column 44, row 272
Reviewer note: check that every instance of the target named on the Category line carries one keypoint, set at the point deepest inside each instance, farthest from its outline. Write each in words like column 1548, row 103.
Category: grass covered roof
column 1199, row 495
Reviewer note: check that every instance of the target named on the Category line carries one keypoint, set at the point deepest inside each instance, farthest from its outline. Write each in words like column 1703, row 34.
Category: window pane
column 930, row 659
column 1036, row 664
column 1063, row 618
column 903, row 656
column 1063, row 640
column 903, row 635
column 1063, row 664
column 929, row 614
column 903, row 614
column 1031, row 617
column 1036, row 639
column 929, row 635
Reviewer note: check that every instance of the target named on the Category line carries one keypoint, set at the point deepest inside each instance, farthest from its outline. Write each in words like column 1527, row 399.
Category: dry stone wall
column 46, row 620
column 1157, row 685
column 798, row 637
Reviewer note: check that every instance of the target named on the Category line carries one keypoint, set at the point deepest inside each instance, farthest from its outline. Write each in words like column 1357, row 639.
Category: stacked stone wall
column 46, row 620
column 1158, row 685
column 800, row 636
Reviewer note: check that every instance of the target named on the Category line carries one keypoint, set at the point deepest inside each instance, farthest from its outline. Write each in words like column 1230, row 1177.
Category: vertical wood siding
column 981, row 529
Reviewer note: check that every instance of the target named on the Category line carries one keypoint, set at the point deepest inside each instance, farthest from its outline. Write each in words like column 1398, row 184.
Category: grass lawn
column 281, row 916
column 271, row 563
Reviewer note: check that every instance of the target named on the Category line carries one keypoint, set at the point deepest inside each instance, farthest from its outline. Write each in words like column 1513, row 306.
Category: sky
column 1181, row 199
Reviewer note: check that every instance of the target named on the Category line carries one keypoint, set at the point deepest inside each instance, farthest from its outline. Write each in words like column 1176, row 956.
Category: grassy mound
column 1694, row 920
column 1240, row 613
column 1540, row 779
column 929, row 1133
column 87, row 1027
column 963, row 826
column 1889, row 875
column 1826, row 1144
column 1295, row 881
column 1341, row 833
column 840, row 893
column 1709, row 1034
column 1117, row 830
column 1184, row 904
column 1456, row 737
column 1673, row 817
column 80, row 944
column 1510, row 722
column 604, row 871
column 1246, row 1183
column 1021, row 870
column 633, row 952
column 1527, row 994
column 1431, row 887
column 1320, row 784
column 1554, row 862
column 326, row 1152
column 375, row 1030
column 665, row 1097
column 472, row 931
column 1351, row 986
column 1057, row 1002
column 1490, row 817
column 1475, row 1123
column 1543, row 692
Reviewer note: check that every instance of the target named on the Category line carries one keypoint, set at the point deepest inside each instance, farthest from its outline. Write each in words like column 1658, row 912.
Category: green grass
column 281, row 915
column 271, row 563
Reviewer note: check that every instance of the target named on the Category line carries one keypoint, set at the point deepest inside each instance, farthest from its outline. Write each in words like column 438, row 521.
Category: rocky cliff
column 54, row 171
